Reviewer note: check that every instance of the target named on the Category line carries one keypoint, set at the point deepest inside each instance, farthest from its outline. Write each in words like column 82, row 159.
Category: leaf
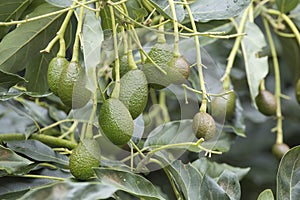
column 60, row 3
column 128, row 182
column 214, row 10
column 71, row 190
column 30, row 110
column 36, row 73
column 27, row 40
column 38, row 151
column 163, row 8
column 92, row 38
column 256, row 68
column 288, row 175
column 286, row 5
column 181, row 132
column 171, row 133
column 230, row 184
column 193, row 183
column 135, row 11
column 11, row 11
column 215, row 170
column 267, row 194
column 11, row 163
column 8, row 80
column 17, row 185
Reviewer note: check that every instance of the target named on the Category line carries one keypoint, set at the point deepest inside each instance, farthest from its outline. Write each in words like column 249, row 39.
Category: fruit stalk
column 116, row 91
column 236, row 45
column 199, row 62
column 77, row 37
column 175, row 26
column 279, row 138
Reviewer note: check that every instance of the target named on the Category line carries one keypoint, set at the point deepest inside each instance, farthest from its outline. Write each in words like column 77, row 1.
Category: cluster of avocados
column 67, row 81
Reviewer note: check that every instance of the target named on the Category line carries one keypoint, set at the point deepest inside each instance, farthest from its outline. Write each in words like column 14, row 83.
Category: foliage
column 238, row 46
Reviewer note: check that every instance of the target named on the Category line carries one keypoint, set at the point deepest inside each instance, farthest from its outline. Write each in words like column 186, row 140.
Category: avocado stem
column 175, row 26
column 279, row 137
column 161, row 39
column 77, row 36
column 203, row 106
column 116, row 90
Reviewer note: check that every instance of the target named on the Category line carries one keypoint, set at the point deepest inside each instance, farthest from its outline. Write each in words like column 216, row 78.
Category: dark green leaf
column 267, row 194
column 36, row 73
column 15, row 185
column 135, row 11
column 256, row 68
column 163, row 8
column 215, row 170
column 38, row 151
column 214, row 10
column 128, row 182
column 27, row 40
column 286, row 5
column 8, row 80
column 11, row 163
column 193, row 183
column 71, row 190
column 288, row 175
column 11, row 11
column 30, row 110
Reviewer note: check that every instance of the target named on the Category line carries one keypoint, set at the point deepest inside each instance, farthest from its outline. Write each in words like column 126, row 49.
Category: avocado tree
column 149, row 99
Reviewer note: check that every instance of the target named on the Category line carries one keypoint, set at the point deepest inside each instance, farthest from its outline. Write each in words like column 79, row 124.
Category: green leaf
column 193, row 183
column 11, row 163
column 8, row 80
column 215, row 170
column 71, row 190
column 60, row 3
column 181, row 132
column 135, row 11
column 288, row 175
column 286, row 5
column 256, row 68
column 92, row 37
column 230, row 184
column 36, row 73
column 27, row 40
column 214, row 10
column 128, row 182
column 30, row 110
column 38, row 151
column 267, row 194
column 11, row 11
column 16, row 185
column 163, row 8
column 171, row 133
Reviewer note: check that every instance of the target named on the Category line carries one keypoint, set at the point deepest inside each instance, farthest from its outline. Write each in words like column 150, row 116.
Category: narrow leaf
column 288, row 175
column 267, row 194
column 128, row 182
column 256, row 68
column 11, row 163
column 8, row 80
column 38, row 151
